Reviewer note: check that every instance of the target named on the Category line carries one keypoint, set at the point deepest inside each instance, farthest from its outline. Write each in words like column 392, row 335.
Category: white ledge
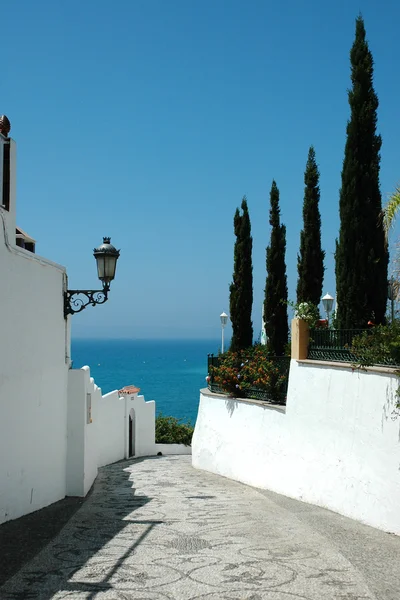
column 17, row 250
column 263, row 403
column 351, row 366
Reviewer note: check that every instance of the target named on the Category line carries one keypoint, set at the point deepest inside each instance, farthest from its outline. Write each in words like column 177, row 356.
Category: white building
column 55, row 426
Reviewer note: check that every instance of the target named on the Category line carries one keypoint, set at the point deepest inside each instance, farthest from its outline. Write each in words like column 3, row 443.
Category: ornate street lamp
column 224, row 319
column 106, row 257
column 327, row 301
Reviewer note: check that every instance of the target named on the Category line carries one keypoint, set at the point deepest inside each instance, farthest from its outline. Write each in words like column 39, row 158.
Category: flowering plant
column 245, row 372
column 227, row 374
column 307, row 311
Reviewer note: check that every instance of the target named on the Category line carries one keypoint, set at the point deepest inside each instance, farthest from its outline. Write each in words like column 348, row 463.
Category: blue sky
column 148, row 120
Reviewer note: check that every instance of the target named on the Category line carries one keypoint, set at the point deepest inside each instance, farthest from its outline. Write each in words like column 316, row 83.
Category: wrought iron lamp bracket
column 76, row 300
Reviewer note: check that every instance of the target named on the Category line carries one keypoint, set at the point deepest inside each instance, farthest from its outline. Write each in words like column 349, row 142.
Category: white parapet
column 170, row 449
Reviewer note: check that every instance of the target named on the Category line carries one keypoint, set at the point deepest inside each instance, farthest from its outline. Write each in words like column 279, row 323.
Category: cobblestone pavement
column 157, row 529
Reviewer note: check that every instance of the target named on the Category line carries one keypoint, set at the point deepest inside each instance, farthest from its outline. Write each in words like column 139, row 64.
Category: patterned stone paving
column 156, row 529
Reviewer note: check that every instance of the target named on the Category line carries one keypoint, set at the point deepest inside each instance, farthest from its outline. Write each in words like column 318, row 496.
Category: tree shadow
column 107, row 513
column 231, row 405
column 389, row 409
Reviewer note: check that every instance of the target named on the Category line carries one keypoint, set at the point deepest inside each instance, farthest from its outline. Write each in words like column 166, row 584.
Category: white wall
column 145, row 424
column 76, row 433
column 169, row 449
column 82, row 449
column 101, row 437
column 33, row 379
column 336, row 445
column 111, row 429
column 91, row 436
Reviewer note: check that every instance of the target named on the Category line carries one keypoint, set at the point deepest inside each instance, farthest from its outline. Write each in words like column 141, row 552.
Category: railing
column 332, row 344
column 279, row 396
column 335, row 345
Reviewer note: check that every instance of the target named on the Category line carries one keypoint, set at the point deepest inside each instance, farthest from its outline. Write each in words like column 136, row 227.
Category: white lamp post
column 327, row 301
column 224, row 319
column 392, row 295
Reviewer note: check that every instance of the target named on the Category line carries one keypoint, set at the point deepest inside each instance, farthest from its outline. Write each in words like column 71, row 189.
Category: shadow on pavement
column 103, row 516
column 21, row 539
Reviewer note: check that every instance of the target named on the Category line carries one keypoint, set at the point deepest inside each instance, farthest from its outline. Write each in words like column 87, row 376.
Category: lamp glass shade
column 224, row 319
column 106, row 266
column 100, row 267
column 327, row 301
column 106, row 257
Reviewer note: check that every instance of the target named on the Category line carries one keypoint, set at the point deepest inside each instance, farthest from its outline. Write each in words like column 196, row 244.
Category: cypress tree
column 361, row 254
column 241, row 289
column 276, row 294
column 310, row 261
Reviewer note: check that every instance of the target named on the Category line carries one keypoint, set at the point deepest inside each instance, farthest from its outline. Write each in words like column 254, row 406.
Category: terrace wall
column 336, row 444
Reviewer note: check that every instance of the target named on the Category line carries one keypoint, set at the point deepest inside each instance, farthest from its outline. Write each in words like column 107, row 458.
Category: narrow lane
column 156, row 529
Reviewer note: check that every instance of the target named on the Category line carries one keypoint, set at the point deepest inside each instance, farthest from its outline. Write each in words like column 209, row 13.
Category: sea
column 171, row 372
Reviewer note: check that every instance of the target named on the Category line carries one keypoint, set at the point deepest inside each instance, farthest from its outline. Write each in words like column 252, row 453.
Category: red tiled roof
column 129, row 389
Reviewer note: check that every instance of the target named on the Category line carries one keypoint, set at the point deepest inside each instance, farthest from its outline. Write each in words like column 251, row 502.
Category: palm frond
column 390, row 211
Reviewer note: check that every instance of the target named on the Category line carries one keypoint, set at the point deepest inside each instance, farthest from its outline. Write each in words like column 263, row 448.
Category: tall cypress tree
column 361, row 255
column 310, row 261
column 241, row 289
column 276, row 294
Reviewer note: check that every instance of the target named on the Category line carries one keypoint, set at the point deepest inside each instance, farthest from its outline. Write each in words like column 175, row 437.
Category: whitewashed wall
column 111, row 429
column 98, row 429
column 82, row 449
column 336, row 445
column 34, row 361
column 170, row 449
column 144, row 424
column 93, row 396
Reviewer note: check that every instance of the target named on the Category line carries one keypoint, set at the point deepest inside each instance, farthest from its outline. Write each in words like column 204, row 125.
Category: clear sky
column 148, row 120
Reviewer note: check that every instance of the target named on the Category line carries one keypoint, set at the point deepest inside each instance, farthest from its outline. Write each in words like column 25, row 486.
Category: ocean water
column 171, row 372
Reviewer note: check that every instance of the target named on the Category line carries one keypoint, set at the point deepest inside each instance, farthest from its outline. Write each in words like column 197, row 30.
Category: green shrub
column 379, row 345
column 170, row 430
